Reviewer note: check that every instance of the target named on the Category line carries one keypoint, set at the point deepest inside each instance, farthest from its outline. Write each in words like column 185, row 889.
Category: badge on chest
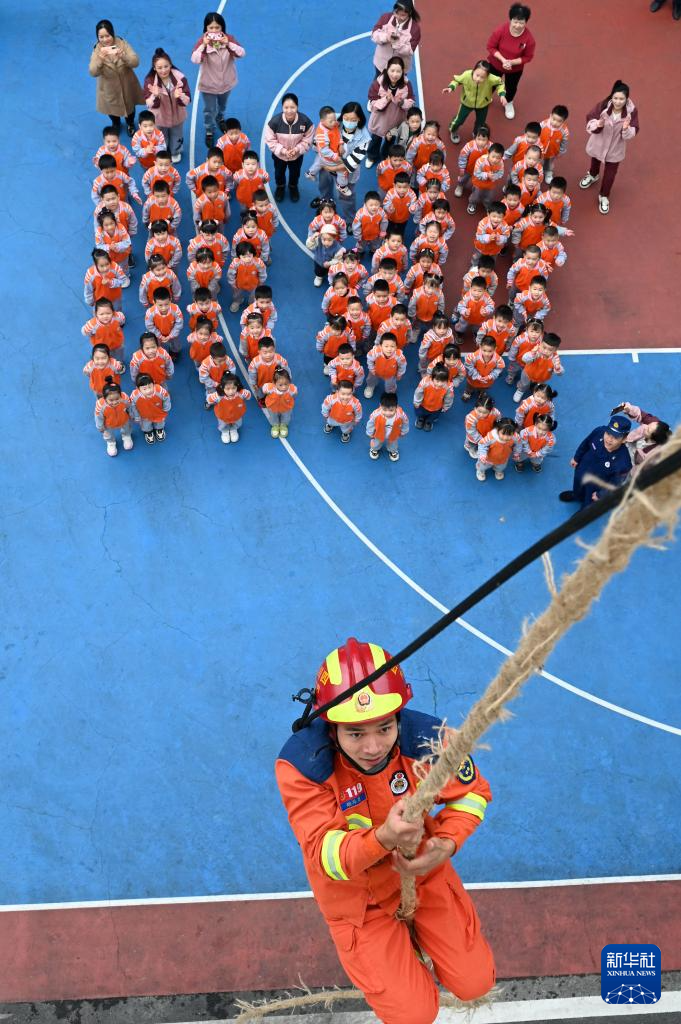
column 399, row 783
column 352, row 795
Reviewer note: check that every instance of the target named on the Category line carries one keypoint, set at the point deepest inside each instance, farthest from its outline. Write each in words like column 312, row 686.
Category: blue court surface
column 160, row 608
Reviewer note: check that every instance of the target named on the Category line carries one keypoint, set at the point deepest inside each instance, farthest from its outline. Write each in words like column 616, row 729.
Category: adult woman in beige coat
column 111, row 63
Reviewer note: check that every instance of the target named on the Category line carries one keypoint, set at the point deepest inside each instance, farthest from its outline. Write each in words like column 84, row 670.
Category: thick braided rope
column 327, row 999
column 632, row 525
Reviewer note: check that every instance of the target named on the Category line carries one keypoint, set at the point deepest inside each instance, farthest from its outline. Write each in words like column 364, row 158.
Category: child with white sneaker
column 496, row 448
column 149, row 406
column 341, row 409
column 228, row 402
column 112, row 413
column 386, row 426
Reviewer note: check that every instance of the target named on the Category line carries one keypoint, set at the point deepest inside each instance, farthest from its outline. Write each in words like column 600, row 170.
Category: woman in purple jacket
column 216, row 53
column 288, row 135
column 396, row 34
column 390, row 98
column 167, row 93
column 610, row 125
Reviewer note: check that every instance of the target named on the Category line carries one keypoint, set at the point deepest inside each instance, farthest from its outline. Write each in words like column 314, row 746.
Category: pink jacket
column 610, row 141
column 388, row 109
column 289, row 141
column 169, row 111
column 408, row 37
column 218, row 70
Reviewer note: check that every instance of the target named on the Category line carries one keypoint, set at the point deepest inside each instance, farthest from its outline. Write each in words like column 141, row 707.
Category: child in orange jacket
column 209, row 236
column 483, row 268
column 151, row 359
column 395, row 163
column 280, row 397
column 263, row 304
column 265, row 212
column 104, row 280
column 245, row 273
column 553, row 138
column 161, row 206
column 533, row 303
column 161, row 170
column 496, row 448
column 112, row 413
column 149, row 406
column 114, row 240
column 422, row 146
column 380, row 304
column 434, row 394
column 251, row 335
column 536, row 442
column 234, row 143
column 450, row 358
column 213, row 165
column 344, row 367
column 370, row 224
column 348, row 263
column 483, row 366
column 492, row 233
column 250, row 232
column 425, row 303
column 500, row 327
column 201, row 339
column 385, row 364
column 434, row 341
column 538, row 403
column 213, row 203
column 164, row 318
column 359, row 324
column 539, row 364
column 164, row 244
column 216, row 363
column 479, row 422
column 520, row 145
column 434, row 170
column 106, row 327
column 524, row 269
column 335, row 299
column 430, row 238
column 228, row 402
column 523, row 342
column 552, row 250
column 102, row 366
column 392, row 248
column 261, row 369
column 341, row 409
column 400, row 203
column 386, row 426
column 111, row 144
column 204, row 272
column 147, row 140
column 158, row 275
column 473, row 307
column 110, row 175
column 486, row 179
column 249, row 179
column 425, row 264
column 469, row 154
column 331, row 338
column 203, row 305
column 398, row 323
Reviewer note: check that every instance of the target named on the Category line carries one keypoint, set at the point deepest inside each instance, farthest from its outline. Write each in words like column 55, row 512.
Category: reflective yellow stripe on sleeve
column 358, row 821
column 331, row 861
column 471, row 803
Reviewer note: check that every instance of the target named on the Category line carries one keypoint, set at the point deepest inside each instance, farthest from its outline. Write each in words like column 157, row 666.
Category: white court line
column 275, row 103
column 326, row 497
column 520, row 1011
column 255, row 897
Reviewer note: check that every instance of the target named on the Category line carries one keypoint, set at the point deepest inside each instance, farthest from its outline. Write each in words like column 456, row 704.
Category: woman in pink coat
column 390, row 98
column 610, row 125
column 396, row 34
column 216, row 52
column 167, row 93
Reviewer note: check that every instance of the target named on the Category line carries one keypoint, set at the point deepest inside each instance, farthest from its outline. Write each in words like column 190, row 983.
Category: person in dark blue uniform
column 602, row 454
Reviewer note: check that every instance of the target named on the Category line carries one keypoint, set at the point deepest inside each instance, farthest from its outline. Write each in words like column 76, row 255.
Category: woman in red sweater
column 509, row 49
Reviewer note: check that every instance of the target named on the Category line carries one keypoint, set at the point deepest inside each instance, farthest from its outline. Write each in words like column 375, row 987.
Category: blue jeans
column 214, row 105
column 346, row 206
column 425, row 414
column 174, row 138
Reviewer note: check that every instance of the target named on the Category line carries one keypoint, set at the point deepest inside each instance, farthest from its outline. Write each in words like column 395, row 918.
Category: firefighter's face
column 368, row 744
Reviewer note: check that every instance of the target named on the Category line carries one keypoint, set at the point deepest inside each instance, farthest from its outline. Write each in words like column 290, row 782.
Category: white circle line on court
column 326, row 497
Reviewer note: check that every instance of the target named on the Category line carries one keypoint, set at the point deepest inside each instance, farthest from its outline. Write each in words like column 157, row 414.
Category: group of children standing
column 402, row 232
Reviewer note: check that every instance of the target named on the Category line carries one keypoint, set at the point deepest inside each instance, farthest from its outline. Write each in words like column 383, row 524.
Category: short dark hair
column 162, row 293
column 218, row 350
column 519, row 11
column 486, row 263
column 496, row 147
column 498, row 207
column 558, row 182
column 388, row 401
column 400, row 178
column 504, row 311
column 534, row 127
column 232, row 124
column 560, row 110
column 478, row 282
column 106, row 162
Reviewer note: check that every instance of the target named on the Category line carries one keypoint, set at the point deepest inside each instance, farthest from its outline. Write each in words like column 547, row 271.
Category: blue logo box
column 631, row 973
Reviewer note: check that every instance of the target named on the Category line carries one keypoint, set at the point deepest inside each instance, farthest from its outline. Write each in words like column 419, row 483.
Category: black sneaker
column 537, row 467
column 149, row 436
column 428, row 425
column 419, row 422
column 567, row 496
column 223, row 125
column 519, row 467
column 160, row 433
column 209, row 139
column 130, row 128
column 294, row 193
column 279, row 193
column 327, row 428
column 132, row 262
column 345, row 438
column 316, row 203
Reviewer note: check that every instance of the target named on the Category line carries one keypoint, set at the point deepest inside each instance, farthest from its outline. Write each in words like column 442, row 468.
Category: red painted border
column 245, row 945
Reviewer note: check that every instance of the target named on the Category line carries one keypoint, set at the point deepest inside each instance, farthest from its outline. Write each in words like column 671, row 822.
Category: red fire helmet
column 348, row 664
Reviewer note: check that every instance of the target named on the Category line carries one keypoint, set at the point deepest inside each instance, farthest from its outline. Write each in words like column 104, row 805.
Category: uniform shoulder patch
column 466, row 772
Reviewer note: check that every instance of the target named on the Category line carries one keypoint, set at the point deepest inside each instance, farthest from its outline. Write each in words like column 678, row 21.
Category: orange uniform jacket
column 280, row 401
column 229, row 410
column 233, row 152
column 245, row 186
column 334, row 811
column 199, row 349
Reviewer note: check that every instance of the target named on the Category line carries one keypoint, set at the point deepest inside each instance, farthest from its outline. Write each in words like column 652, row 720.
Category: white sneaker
column 327, row 370
column 509, row 111
column 548, row 177
column 318, row 282
column 111, row 448
column 588, row 180
column 225, row 436
column 604, row 204
column 127, row 284
column 518, row 395
column 473, row 452
column 234, row 307
column 368, row 391
column 498, row 474
column 233, row 435
column 176, row 158
column 458, row 191
column 128, row 442
column 480, row 475
column 369, row 162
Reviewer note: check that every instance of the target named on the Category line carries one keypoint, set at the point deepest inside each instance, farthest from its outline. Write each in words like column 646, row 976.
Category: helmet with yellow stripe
column 348, row 664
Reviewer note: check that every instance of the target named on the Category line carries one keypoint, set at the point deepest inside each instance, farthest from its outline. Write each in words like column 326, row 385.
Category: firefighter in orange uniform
column 343, row 780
